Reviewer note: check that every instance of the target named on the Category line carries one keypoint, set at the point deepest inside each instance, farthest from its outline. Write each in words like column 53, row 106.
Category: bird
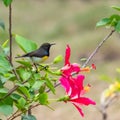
column 39, row 55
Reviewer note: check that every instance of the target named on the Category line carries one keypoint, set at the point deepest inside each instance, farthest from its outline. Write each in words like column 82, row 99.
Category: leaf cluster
column 26, row 85
column 111, row 21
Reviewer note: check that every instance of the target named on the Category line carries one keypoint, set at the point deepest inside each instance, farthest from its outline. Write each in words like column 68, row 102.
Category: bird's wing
column 39, row 53
column 27, row 54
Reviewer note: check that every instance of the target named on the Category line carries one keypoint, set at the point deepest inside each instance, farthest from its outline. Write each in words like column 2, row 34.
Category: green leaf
column 116, row 7
column 103, row 22
column 28, row 117
column 43, row 99
column 4, row 65
column 114, row 19
column 21, row 103
column 6, row 105
column 6, row 109
column 24, row 91
column 25, row 63
column 2, row 25
column 24, row 74
column 7, row 76
column 5, row 44
column 50, row 85
column 117, row 27
column 83, row 59
column 37, row 76
column 37, row 84
column 8, row 100
column 7, row 2
column 25, row 44
column 42, row 89
column 58, row 59
column 3, row 90
column 15, row 96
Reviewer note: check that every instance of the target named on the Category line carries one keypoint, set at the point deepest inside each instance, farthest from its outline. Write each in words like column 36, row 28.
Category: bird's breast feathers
column 39, row 60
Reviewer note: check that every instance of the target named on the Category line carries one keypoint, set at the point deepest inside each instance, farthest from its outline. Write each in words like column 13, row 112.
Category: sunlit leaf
column 4, row 65
column 37, row 76
column 7, row 2
column 25, row 44
column 117, row 27
column 21, row 103
column 24, row 74
column 7, row 76
column 103, row 22
column 24, row 91
column 43, row 99
column 83, row 59
column 116, row 7
column 58, row 59
column 5, row 44
column 3, row 90
column 25, row 63
column 50, row 85
column 37, row 84
column 114, row 20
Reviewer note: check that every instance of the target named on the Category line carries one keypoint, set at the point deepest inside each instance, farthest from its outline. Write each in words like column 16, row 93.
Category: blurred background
column 69, row 22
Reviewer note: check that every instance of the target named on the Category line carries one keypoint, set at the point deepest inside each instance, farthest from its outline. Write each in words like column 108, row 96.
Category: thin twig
column 13, row 115
column 97, row 48
column 11, row 91
column 30, row 110
column 16, row 114
column 10, row 32
column 10, row 38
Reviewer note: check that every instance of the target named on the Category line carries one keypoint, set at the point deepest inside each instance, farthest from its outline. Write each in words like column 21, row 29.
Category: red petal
column 67, row 55
column 65, row 83
column 76, row 86
column 79, row 81
column 79, row 109
column 83, row 100
column 75, row 68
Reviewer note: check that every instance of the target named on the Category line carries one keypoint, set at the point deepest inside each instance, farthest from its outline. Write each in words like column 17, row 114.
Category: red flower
column 68, row 67
column 74, row 85
column 75, row 90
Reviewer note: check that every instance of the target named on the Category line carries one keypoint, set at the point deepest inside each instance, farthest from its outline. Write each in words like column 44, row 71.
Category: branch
column 97, row 48
column 17, row 113
column 10, row 32
column 11, row 91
